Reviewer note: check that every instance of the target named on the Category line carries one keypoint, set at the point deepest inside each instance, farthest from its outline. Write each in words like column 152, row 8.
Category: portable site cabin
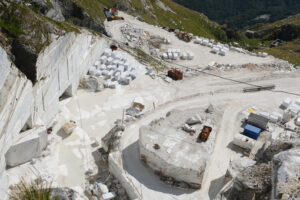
column 252, row 131
column 258, row 121
column 243, row 142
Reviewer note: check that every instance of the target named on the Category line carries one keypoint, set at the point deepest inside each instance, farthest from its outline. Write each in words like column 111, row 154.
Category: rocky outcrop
column 275, row 174
column 267, row 154
column 62, row 10
column 251, row 182
column 286, row 32
column 286, row 168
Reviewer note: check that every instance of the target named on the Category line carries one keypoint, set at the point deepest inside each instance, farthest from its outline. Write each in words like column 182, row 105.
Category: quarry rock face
column 286, row 167
column 15, row 92
column 58, row 70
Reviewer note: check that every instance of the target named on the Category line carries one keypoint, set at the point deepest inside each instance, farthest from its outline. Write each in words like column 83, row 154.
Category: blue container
column 252, row 131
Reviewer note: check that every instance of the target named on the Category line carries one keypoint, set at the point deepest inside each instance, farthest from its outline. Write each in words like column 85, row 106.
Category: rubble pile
column 104, row 185
column 278, row 66
column 274, row 173
column 112, row 69
column 286, row 167
column 252, row 182
column 110, row 142
column 131, row 34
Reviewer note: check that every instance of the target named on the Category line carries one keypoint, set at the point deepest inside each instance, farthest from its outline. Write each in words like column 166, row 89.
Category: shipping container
column 252, row 131
column 175, row 74
column 258, row 121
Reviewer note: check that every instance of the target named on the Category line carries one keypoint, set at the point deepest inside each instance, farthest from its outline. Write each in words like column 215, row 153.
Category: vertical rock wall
column 59, row 67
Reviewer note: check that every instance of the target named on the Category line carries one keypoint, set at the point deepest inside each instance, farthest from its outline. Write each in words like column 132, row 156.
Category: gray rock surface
column 251, row 182
column 29, row 145
column 286, row 177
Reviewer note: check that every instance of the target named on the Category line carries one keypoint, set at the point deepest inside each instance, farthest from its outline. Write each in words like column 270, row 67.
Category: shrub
column 35, row 190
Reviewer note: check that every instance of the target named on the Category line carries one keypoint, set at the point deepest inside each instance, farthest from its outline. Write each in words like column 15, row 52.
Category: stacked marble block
column 115, row 68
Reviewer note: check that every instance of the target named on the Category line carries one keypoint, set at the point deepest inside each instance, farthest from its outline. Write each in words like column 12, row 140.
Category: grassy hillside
column 176, row 16
column 288, row 30
column 240, row 14
column 179, row 17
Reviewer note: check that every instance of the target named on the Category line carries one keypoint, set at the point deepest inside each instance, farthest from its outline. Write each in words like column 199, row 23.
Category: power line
column 233, row 80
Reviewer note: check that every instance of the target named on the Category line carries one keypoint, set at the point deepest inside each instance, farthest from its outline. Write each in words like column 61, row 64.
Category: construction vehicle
column 203, row 136
column 187, row 37
column 112, row 14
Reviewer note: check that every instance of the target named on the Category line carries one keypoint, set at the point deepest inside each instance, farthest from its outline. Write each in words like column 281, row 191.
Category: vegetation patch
column 35, row 190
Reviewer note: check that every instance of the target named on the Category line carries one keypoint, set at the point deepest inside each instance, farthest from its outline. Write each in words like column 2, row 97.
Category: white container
column 287, row 102
column 298, row 102
column 170, row 55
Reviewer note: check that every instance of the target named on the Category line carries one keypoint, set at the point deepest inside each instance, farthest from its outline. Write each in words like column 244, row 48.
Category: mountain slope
column 281, row 38
column 239, row 14
column 89, row 13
